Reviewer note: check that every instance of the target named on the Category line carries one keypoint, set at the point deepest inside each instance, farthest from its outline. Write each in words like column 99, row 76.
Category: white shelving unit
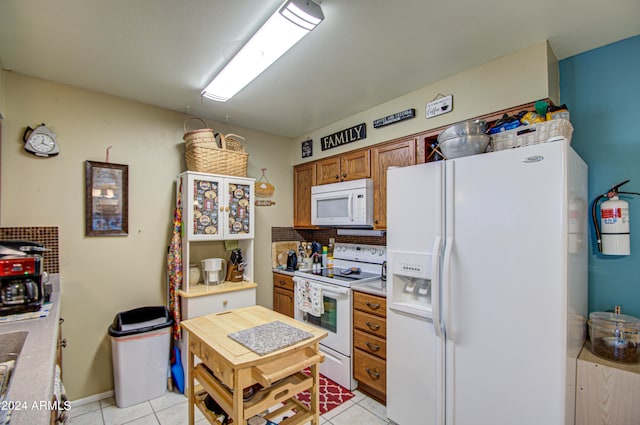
column 216, row 209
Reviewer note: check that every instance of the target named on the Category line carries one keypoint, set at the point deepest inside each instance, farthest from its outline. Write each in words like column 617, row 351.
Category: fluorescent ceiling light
column 292, row 21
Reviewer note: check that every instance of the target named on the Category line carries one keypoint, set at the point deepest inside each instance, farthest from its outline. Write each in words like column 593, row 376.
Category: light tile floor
column 171, row 409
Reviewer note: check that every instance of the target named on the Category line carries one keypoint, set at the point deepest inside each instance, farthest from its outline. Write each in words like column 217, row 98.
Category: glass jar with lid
column 615, row 337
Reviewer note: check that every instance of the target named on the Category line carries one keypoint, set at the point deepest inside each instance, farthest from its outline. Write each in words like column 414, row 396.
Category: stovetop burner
column 336, row 275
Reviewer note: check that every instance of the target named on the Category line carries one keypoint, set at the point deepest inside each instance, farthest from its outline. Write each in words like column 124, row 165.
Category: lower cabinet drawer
column 370, row 344
column 369, row 323
column 370, row 370
column 220, row 368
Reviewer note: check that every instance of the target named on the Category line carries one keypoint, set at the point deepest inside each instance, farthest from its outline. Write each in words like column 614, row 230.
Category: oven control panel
column 358, row 252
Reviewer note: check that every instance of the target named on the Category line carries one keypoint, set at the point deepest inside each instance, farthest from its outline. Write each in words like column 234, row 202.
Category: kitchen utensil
column 307, row 264
column 213, row 269
column 292, row 260
column 466, row 145
column 463, row 128
column 350, row 270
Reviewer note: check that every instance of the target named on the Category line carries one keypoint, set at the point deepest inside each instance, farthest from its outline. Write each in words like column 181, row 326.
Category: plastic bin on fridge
column 140, row 347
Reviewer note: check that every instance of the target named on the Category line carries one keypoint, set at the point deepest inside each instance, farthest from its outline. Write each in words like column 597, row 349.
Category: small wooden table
column 228, row 367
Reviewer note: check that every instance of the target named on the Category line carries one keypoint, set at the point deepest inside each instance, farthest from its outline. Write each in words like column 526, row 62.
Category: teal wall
column 601, row 88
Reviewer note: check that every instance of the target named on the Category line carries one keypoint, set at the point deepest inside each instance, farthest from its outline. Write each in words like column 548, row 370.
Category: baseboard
column 92, row 398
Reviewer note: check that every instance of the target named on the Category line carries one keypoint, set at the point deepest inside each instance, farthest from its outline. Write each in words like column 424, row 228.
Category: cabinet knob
column 63, row 343
column 225, row 302
column 337, row 177
column 226, row 209
column 344, row 175
column 221, row 208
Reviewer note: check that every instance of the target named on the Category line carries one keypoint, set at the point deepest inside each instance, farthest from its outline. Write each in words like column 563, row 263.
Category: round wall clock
column 40, row 141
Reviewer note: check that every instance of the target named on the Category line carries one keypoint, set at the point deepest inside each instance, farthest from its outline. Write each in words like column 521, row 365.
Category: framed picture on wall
column 106, row 199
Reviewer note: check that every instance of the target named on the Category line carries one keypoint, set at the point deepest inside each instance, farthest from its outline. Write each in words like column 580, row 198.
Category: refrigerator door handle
column 446, row 275
column 435, row 286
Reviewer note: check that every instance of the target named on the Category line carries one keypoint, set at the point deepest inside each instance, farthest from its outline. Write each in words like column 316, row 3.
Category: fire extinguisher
column 612, row 230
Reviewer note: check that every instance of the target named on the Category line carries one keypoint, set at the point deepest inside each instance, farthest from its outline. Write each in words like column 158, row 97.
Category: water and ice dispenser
column 409, row 282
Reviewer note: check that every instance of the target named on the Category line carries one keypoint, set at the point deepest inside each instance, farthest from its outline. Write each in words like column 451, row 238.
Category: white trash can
column 140, row 347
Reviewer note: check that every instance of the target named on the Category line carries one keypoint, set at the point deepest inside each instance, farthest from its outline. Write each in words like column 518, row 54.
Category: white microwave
column 344, row 204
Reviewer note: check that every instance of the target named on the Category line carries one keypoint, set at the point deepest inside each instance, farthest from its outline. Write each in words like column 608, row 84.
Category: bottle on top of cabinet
column 217, row 207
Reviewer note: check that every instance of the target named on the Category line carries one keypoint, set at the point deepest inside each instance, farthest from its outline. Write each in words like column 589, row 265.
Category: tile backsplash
column 281, row 234
column 45, row 235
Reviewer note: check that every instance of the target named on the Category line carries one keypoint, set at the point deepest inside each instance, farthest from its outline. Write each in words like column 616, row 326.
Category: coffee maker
column 21, row 287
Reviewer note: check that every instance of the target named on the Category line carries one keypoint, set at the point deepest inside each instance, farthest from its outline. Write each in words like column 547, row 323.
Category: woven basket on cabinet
column 207, row 152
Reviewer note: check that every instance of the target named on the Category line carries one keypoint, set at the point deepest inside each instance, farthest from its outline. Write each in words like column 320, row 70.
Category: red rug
column 332, row 395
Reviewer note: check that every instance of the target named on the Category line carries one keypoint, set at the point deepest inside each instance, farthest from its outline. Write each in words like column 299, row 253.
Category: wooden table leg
column 315, row 394
column 191, row 386
column 238, row 400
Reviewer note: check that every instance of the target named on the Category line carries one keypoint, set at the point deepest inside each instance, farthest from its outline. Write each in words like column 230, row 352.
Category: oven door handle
column 331, row 289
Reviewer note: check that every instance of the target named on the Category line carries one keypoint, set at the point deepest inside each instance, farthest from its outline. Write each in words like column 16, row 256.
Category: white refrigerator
column 487, row 287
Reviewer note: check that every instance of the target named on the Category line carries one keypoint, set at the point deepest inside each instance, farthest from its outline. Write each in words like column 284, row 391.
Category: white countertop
column 33, row 376
column 374, row 287
column 283, row 271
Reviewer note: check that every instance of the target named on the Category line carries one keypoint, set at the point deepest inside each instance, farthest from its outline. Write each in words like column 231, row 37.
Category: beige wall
column 104, row 275
column 512, row 80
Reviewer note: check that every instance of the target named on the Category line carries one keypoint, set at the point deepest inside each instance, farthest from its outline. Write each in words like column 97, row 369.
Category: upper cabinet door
column 328, row 170
column 355, row 165
column 304, row 177
column 239, row 210
column 348, row 166
column 396, row 154
column 217, row 207
column 202, row 197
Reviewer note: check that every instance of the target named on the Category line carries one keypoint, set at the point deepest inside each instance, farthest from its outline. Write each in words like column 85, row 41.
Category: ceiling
column 163, row 52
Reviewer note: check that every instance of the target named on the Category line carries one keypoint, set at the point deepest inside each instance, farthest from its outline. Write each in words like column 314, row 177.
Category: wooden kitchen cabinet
column 348, row 166
column 399, row 153
column 369, row 344
column 283, row 294
column 607, row 392
column 304, row 177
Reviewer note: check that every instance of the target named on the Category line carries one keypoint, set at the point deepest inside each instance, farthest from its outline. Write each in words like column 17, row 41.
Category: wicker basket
column 532, row 134
column 202, row 135
column 263, row 188
column 235, row 142
column 203, row 154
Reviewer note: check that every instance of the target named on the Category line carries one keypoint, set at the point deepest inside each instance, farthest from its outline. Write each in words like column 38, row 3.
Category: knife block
column 233, row 274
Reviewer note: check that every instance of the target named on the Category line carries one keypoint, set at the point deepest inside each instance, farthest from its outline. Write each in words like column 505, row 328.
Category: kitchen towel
column 309, row 297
